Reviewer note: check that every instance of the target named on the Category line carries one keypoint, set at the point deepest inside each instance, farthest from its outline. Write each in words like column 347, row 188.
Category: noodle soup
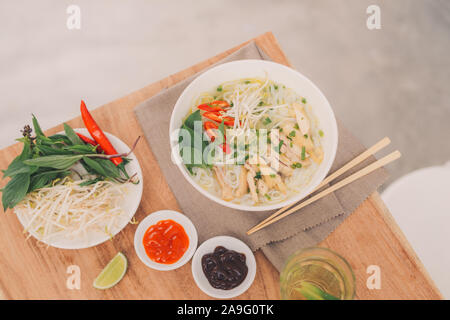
column 251, row 141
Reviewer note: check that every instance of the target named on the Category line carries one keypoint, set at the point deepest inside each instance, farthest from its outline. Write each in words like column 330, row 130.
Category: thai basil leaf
column 55, row 162
column 72, row 135
column 193, row 117
column 37, row 128
column 95, row 166
column 45, row 178
column 48, row 151
column 110, row 168
column 15, row 190
column 81, row 148
column 17, row 166
column 56, row 138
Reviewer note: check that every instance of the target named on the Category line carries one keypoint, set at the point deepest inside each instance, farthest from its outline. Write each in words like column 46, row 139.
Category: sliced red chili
column 220, row 103
column 210, row 129
column 207, row 107
column 218, row 118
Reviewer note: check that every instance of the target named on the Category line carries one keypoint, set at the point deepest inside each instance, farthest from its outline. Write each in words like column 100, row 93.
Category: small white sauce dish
column 154, row 218
column 229, row 243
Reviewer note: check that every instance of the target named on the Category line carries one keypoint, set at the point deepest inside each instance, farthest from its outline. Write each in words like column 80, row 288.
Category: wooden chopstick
column 361, row 173
column 363, row 156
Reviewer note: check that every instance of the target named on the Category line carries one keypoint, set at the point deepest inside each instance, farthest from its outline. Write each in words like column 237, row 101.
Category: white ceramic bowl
column 231, row 244
column 130, row 204
column 278, row 73
column 152, row 219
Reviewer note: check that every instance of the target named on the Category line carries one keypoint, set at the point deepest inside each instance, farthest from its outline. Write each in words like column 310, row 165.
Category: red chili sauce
column 165, row 242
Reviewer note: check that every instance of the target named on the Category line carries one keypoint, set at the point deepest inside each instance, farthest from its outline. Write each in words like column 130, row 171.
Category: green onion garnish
column 303, row 152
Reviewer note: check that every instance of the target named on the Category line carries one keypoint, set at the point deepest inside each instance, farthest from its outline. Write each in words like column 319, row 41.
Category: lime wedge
column 112, row 273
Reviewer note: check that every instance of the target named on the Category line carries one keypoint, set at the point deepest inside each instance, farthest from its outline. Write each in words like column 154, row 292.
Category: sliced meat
column 227, row 191
column 302, row 119
column 243, row 184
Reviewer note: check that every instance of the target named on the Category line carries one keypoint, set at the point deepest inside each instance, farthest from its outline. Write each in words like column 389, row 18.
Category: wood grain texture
column 31, row 271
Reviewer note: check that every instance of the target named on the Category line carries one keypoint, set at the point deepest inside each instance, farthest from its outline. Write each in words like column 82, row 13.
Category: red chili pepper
column 210, row 128
column 90, row 141
column 209, row 108
column 218, row 118
column 220, row 103
column 98, row 134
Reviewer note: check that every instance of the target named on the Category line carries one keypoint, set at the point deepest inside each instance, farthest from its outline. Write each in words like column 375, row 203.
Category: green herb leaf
column 95, row 166
column 55, row 162
column 193, row 117
column 86, row 148
column 45, row 178
column 267, row 121
column 37, row 128
column 15, row 190
column 49, row 151
column 17, row 166
column 59, row 138
column 72, row 135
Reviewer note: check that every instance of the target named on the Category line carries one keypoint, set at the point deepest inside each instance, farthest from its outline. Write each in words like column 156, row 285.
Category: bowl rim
column 291, row 200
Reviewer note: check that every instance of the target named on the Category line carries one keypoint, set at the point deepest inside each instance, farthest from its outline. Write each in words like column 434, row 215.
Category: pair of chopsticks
column 287, row 210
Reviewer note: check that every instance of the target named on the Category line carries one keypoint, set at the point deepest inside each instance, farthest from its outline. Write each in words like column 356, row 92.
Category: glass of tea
column 317, row 274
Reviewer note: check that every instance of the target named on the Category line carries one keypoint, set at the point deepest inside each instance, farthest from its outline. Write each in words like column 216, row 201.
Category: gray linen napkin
column 301, row 229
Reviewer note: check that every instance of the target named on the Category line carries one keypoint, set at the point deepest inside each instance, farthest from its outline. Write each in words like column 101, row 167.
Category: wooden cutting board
column 29, row 270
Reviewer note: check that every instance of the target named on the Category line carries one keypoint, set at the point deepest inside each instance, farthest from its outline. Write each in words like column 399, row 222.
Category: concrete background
column 393, row 81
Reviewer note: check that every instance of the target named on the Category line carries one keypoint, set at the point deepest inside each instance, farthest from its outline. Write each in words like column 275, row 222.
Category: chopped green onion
column 258, row 175
column 219, row 88
column 272, row 175
column 275, row 87
column 296, row 126
column 260, row 103
column 296, row 165
column 303, row 152
column 292, row 133
column 267, row 197
column 267, row 121
column 304, row 100
column 247, row 81
column 306, row 136
column 321, row 133
column 278, row 148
